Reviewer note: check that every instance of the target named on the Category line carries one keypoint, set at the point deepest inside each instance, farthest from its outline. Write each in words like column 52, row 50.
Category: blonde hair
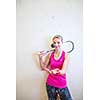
column 58, row 36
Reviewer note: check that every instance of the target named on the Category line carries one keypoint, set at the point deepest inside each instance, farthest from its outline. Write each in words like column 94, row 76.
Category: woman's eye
column 56, row 42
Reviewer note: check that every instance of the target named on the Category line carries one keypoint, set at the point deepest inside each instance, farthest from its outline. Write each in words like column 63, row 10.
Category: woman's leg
column 51, row 92
column 65, row 94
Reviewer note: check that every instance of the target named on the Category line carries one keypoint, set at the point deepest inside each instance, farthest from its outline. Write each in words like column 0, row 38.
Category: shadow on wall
column 31, row 89
column 41, row 81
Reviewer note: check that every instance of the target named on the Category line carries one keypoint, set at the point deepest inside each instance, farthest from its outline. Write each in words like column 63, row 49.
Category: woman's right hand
column 42, row 53
column 55, row 71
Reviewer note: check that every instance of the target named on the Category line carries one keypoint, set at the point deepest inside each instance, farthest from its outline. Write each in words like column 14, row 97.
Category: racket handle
column 42, row 52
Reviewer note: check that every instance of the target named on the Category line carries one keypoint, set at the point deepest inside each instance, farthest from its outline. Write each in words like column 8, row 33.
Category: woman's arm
column 65, row 64
column 45, row 63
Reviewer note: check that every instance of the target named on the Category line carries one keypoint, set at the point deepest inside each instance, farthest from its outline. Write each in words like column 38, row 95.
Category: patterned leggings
column 53, row 91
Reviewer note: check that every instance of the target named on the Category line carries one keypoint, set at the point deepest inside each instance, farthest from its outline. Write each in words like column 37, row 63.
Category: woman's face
column 57, row 43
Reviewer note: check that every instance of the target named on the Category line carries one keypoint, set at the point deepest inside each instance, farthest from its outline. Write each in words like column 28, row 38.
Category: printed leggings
column 53, row 91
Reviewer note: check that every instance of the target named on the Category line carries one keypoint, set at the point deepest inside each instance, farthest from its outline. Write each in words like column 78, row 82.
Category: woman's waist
column 57, row 76
column 57, row 80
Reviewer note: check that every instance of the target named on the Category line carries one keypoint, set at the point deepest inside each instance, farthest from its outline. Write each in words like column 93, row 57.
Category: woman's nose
column 56, row 44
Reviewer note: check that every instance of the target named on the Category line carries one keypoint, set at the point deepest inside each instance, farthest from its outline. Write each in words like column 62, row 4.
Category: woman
column 56, row 81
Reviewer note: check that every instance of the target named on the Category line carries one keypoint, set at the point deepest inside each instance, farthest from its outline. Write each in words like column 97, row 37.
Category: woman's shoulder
column 66, row 54
column 50, row 53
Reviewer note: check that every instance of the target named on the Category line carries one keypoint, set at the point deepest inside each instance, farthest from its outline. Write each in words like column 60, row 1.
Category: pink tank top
column 57, row 80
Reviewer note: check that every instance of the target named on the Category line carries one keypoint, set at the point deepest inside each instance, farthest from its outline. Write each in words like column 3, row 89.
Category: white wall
column 36, row 22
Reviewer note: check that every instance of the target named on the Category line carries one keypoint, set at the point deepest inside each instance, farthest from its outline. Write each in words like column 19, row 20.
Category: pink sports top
column 57, row 80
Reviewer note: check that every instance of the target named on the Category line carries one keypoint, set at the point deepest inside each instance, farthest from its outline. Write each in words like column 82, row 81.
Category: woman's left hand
column 55, row 71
